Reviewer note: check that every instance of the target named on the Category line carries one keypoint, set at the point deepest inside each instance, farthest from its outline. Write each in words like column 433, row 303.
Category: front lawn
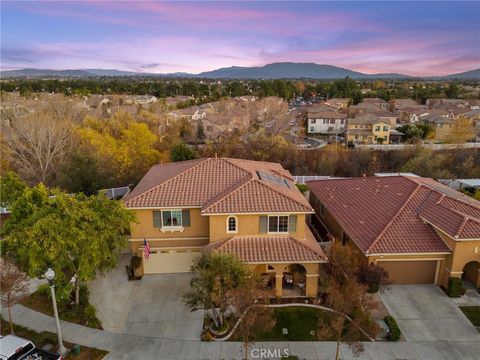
column 473, row 314
column 300, row 322
column 83, row 315
column 43, row 338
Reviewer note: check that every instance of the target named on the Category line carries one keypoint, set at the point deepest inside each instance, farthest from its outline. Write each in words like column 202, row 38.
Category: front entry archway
column 471, row 272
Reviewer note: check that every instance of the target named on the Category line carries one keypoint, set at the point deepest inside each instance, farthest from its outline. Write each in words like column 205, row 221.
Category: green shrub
column 455, row 287
column 90, row 317
column 395, row 333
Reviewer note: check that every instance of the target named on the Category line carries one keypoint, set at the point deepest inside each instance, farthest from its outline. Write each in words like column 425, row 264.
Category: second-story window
column 278, row 224
column 171, row 218
column 232, row 224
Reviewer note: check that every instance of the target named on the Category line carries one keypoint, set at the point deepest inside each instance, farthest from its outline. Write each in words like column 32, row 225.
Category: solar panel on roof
column 276, row 180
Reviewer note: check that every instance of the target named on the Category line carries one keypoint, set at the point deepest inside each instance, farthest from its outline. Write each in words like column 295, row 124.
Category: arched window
column 232, row 225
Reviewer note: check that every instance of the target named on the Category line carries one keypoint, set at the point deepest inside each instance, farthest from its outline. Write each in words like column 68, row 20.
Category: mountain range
column 283, row 70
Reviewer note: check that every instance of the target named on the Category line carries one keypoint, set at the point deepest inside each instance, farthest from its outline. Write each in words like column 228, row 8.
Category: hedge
column 455, row 287
column 395, row 333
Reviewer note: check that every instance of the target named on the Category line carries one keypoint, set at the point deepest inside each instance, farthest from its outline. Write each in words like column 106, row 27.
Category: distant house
column 326, row 122
column 474, row 104
column 368, row 129
column 410, row 115
column 339, row 103
column 382, row 104
column 97, row 101
column 192, row 113
column 404, row 103
column 446, row 103
column 441, row 124
column 140, row 99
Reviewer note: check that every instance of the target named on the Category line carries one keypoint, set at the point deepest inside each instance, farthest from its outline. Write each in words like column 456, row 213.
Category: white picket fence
column 388, row 147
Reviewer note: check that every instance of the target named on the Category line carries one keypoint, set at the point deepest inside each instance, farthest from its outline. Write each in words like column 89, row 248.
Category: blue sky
column 417, row 38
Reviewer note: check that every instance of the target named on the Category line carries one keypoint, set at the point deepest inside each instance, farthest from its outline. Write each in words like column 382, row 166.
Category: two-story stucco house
column 248, row 208
column 368, row 129
column 419, row 230
column 326, row 122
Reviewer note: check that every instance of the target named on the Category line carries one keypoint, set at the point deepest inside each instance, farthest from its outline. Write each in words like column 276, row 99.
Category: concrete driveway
column 425, row 313
column 151, row 307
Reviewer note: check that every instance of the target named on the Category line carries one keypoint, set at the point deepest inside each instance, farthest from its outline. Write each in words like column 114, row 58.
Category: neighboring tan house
column 446, row 103
column 417, row 229
column 382, row 104
column 248, row 208
column 404, row 103
column 326, row 122
column 441, row 125
column 368, row 129
column 339, row 103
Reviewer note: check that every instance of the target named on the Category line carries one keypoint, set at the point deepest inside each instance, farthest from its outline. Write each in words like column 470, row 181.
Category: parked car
column 304, row 146
column 292, row 122
column 17, row 348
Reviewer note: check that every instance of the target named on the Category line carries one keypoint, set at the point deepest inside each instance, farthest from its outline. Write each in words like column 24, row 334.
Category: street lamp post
column 50, row 276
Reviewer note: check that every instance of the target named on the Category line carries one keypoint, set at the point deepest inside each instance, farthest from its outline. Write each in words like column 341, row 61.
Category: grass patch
column 299, row 321
column 473, row 314
column 84, row 314
column 43, row 338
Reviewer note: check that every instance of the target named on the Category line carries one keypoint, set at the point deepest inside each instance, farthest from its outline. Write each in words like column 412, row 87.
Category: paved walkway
column 433, row 326
column 471, row 297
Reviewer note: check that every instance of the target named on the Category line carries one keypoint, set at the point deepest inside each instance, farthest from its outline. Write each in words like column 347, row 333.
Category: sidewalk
column 125, row 346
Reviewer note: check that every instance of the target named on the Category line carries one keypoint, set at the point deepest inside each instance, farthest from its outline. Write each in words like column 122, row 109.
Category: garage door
column 410, row 272
column 170, row 261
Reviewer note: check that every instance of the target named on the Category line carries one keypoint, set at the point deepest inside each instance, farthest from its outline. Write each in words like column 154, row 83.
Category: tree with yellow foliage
column 461, row 131
column 124, row 147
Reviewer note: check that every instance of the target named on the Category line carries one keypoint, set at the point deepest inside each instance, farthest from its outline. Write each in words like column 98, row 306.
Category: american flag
column 146, row 249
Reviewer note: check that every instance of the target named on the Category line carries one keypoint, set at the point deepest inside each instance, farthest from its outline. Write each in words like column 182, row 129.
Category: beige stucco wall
column 144, row 227
column 247, row 225
column 462, row 253
column 442, row 133
column 381, row 133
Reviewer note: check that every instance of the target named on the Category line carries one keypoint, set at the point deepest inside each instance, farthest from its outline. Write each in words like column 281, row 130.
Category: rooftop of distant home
column 219, row 186
column 398, row 214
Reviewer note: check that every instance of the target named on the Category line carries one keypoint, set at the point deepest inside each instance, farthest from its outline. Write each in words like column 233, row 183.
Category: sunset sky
column 414, row 38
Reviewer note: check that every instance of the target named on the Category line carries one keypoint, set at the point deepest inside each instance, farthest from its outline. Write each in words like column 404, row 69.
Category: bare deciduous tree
column 14, row 286
column 255, row 318
column 37, row 143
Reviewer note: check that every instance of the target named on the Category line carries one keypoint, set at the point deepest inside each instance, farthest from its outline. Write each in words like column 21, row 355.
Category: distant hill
column 472, row 74
column 44, row 73
column 289, row 70
column 283, row 70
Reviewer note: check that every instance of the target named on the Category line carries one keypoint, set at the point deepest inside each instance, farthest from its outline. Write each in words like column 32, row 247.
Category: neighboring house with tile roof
column 368, row 129
column 418, row 229
column 382, row 104
column 249, row 208
column 325, row 122
column 442, row 125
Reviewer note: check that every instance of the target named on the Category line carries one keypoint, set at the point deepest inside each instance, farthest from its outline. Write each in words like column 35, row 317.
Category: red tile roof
column 219, row 185
column 393, row 214
column 264, row 249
